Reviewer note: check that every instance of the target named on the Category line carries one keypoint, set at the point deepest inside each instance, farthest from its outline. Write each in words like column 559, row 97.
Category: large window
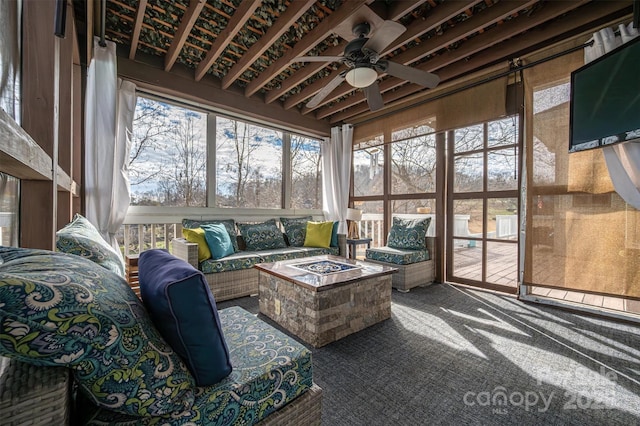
column 248, row 165
column 167, row 164
column 306, row 173
column 184, row 157
column 368, row 167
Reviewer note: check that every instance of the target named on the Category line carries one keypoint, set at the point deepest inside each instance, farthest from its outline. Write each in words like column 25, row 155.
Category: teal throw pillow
column 81, row 238
column 229, row 224
column 184, row 310
column 262, row 236
column 59, row 309
column 409, row 234
column 295, row 228
column 334, row 235
column 218, row 240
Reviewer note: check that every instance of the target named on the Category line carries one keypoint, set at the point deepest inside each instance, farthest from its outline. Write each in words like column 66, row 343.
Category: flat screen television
column 605, row 99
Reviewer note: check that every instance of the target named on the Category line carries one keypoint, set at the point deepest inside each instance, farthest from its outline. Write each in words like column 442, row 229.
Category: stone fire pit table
column 322, row 299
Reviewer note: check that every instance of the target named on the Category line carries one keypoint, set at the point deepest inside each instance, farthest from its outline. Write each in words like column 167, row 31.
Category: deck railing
column 136, row 237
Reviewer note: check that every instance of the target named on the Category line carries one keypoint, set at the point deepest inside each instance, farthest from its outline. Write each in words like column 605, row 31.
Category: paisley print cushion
column 397, row 256
column 262, row 236
column 408, row 233
column 296, row 229
column 81, row 238
column 58, row 309
column 230, row 224
column 270, row 370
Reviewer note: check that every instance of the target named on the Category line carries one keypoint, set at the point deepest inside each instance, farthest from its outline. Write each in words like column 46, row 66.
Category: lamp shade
column 354, row 214
column 361, row 77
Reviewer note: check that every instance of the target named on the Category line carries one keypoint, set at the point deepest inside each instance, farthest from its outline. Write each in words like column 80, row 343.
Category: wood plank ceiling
column 247, row 46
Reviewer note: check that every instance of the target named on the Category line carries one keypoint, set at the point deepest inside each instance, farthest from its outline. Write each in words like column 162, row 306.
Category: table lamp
column 354, row 216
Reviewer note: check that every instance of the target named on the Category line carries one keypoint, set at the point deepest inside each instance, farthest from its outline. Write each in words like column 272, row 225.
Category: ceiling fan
column 362, row 56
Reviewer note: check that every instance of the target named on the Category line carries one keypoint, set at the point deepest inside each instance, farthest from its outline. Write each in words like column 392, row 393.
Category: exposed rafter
column 137, row 27
column 188, row 21
column 283, row 23
column 239, row 18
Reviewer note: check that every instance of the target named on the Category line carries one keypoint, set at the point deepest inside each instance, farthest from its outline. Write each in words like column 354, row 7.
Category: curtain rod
column 103, row 22
column 480, row 82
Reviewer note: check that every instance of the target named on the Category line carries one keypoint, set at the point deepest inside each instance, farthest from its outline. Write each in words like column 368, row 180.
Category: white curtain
column 336, row 174
column 110, row 104
column 623, row 159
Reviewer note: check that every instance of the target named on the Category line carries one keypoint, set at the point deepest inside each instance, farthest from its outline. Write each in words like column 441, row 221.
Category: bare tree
column 189, row 163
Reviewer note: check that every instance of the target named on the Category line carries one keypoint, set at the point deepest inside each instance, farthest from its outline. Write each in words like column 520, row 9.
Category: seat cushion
column 183, row 309
column 408, row 234
column 59, row 309
column 234, row 262
column 81, row 238
column 270, row 370
column 397, row 256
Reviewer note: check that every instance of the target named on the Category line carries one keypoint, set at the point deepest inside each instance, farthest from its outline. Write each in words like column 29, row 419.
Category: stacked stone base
column 322, row 317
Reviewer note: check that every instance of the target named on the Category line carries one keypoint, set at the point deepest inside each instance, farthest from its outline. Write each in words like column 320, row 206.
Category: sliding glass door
column 483, row 204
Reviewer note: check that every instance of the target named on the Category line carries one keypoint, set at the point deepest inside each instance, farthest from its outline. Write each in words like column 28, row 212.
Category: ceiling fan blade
column 374, row 97
column 315, row 101
column 318, row 59
column 384, row 35
column 413, row 75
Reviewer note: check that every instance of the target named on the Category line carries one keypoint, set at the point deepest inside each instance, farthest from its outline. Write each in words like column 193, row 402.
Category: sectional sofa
column 77, row 346
column 234, row 276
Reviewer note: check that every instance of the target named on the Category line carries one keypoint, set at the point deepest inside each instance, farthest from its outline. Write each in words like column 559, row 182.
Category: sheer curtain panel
column 110, row 105
column 336, row 173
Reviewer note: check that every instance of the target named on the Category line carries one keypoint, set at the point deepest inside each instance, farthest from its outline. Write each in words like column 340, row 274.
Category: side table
column 352, row 244
column 131, row 273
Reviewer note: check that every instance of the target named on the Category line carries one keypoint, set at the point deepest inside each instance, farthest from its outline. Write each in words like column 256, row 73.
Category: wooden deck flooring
column 502, row 269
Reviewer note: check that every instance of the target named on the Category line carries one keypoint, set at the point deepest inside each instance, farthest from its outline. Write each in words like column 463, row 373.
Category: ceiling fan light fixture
column 361, row 77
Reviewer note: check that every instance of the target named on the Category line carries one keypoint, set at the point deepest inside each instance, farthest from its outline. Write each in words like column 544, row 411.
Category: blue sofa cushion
column 397, row 256
column 81, row 238
column 408, row 233
column 295, row 228
column 183, row 309
column 277, row 255
column 270, row 370
column 229, row 224
column 234, row 262
column 262, row 236
column 58, row 309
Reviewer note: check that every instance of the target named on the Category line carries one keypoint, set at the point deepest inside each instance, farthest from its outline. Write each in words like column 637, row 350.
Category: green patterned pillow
column 262, row 236
column 58, row 309
column 408, row 234
column 81, row 238
column 230, row 224
column 295, row 229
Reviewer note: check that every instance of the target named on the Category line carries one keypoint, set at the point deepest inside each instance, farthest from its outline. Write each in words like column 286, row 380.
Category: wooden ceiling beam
column 456, row 33
column 284, row 22
column 137, row 26
column 303, row 73
column 237, row 21
column 186, row 24
column 400, row 8
column 584, row 16
column 306, row 43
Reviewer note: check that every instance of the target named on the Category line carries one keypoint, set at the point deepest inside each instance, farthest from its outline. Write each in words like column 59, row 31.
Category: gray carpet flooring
column 455, row 356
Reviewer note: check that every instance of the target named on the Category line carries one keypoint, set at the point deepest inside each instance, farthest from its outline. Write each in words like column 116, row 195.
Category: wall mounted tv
column 605, row 99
